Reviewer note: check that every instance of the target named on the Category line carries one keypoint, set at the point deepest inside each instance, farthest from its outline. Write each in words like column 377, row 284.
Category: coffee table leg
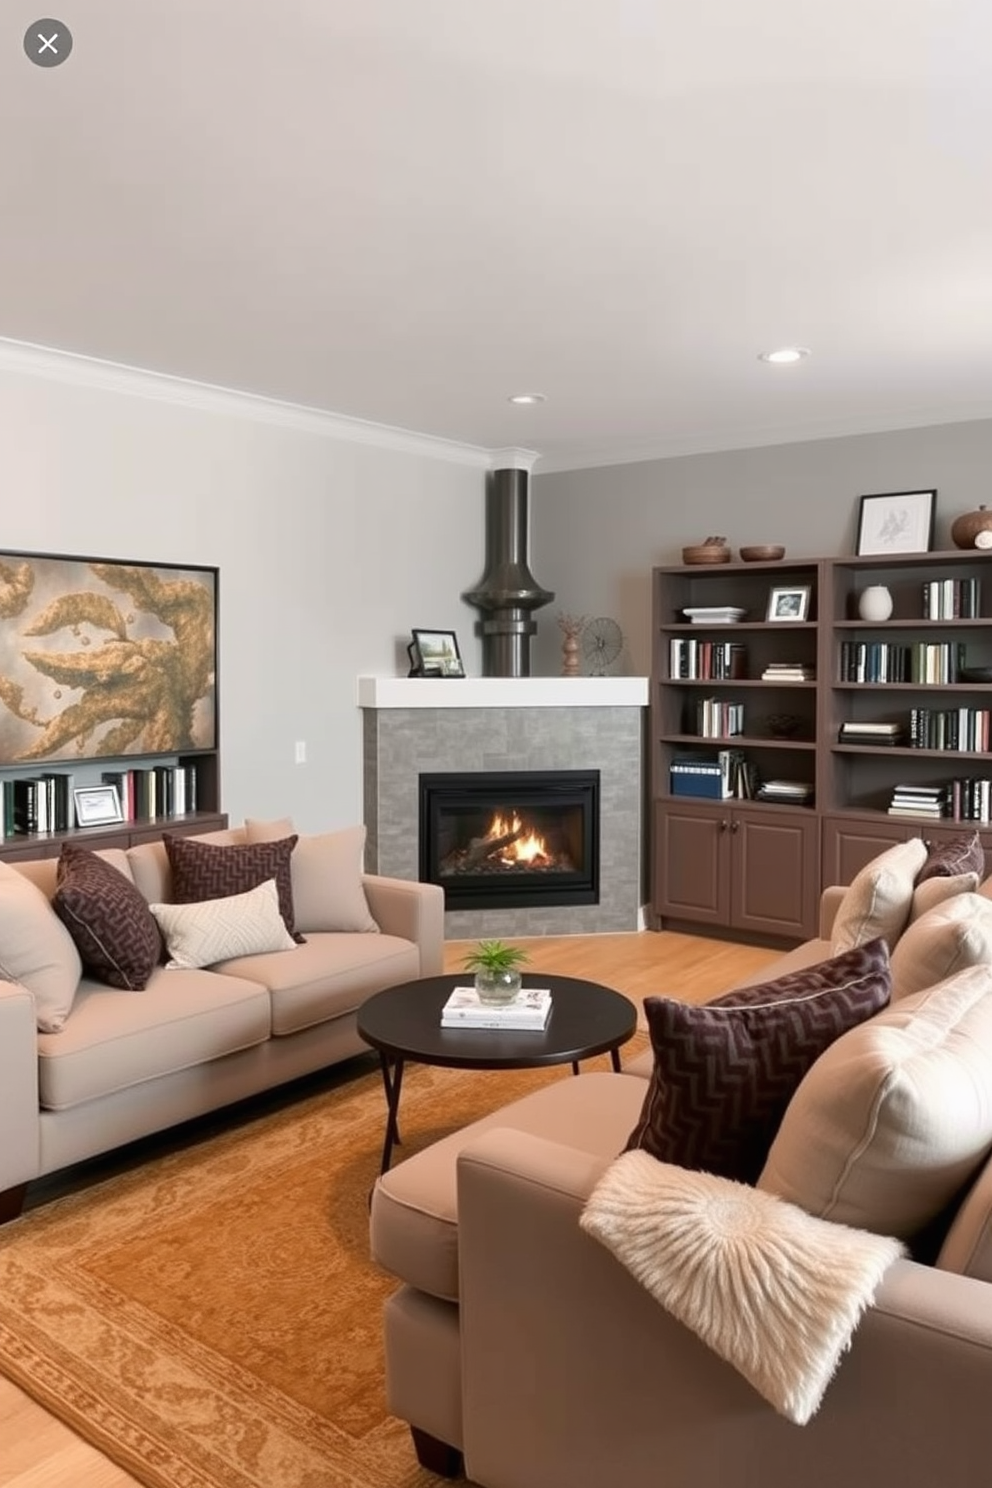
column 615, row 1057
column 392, row 1079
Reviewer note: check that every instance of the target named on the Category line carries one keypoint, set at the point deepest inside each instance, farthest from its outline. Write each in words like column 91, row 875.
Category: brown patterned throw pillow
column 204, row 870
column 947, row 859
column 725, row 1071
column 114, row 930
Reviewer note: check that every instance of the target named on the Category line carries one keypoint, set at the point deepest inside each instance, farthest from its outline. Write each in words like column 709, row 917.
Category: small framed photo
column 789, row 604
column 896, row 522
column 434, row 653
column 97, row 805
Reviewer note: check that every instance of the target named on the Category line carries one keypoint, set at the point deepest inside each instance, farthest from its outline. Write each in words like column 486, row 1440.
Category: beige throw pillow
column 213, row 930
column 326, row 871
column 933, row 891
column 37, row 950
column 878, row 901
column 896, row 1116
column 958, row 933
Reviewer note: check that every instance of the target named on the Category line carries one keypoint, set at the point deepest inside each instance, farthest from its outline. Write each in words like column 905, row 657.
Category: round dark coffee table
column 404, row 1023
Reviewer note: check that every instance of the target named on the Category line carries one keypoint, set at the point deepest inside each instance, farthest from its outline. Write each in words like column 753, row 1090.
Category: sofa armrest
column 414, row 911
column 830, row 902
column 20, row 1151
column 571, row 1368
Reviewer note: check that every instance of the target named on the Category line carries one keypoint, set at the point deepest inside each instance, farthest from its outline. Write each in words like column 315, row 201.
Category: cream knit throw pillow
column 772, row 1290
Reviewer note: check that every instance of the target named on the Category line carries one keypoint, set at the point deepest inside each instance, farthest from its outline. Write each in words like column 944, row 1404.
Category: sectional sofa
column 565, row 1318
column 117, row 1020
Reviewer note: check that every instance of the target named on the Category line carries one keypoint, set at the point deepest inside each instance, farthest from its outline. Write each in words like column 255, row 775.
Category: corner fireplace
column 511, row 838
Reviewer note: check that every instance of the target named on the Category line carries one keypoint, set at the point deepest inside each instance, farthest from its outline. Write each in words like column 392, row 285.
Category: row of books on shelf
column 706, row 661
column 531, row 1008
column 920, row 662
column 965, row 798
column 718, row 719
column 952, row 599
column 38, row 803
column 154, row 791
column 964, row 730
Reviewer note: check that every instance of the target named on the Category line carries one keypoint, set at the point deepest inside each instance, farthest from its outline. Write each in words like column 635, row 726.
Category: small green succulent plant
column 495, row 956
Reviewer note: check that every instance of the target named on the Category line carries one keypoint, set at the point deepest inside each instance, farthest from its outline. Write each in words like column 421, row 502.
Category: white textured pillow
column 219, row 929
column 879, row 899
column 933, row 891
column 958, row 933
column 770, row 1289
column 37, row 950
column 896, row 1116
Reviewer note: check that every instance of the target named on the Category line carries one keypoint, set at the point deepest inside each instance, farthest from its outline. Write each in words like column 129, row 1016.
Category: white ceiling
column 406, row 210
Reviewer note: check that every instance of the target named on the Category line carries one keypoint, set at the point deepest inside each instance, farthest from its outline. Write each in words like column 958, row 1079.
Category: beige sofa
column 521, row 1351
column 128, row 1063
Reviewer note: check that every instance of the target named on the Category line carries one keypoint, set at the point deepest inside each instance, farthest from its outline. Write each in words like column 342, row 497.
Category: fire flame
column 528, row 847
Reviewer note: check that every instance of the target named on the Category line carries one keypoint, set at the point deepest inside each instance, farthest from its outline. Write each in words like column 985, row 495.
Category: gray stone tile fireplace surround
column 423, row 725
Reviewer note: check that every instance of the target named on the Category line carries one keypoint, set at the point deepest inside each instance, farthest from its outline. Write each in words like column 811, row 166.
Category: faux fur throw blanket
column 771, row 1289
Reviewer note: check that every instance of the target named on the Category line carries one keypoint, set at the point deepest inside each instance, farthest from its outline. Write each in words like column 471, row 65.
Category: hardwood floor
column 37, row 1451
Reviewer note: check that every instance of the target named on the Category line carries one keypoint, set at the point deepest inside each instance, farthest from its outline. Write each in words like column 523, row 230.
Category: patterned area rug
column 211, row 1319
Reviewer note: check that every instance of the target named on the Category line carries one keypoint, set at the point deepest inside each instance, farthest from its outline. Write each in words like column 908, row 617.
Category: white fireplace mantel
column 502, row 692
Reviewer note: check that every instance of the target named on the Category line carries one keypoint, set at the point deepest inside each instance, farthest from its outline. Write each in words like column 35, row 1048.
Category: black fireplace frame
column 524, row 788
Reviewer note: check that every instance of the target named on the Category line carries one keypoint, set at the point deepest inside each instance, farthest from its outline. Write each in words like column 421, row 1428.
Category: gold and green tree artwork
column 104, row 658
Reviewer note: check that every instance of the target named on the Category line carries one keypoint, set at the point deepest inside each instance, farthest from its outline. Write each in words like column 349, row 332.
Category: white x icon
column 48, row 43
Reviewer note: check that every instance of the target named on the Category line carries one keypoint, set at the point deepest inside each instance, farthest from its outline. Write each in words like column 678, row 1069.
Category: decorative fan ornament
column 602, row 642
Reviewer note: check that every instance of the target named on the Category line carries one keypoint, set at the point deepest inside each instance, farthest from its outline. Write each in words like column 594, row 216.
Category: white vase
column 875, row 603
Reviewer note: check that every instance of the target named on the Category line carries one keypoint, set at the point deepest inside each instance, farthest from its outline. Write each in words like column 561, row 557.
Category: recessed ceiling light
column 785, row 355
column 526, row 398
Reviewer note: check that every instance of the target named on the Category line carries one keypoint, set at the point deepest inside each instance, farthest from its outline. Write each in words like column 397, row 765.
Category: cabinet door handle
column 735, row 826
column 723, row 826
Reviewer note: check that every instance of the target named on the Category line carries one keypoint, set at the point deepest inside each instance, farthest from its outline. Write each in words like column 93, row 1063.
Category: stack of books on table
column 928, row 801
column 530, row 1008
column 872, row 733
column 786, row 792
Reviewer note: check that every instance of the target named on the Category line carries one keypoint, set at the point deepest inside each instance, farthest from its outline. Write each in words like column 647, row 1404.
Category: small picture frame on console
column 97, row 805
column 435, row 653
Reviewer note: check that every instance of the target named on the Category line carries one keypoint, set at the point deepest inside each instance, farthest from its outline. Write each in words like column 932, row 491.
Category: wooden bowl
column 762, row 553
column 706, row 553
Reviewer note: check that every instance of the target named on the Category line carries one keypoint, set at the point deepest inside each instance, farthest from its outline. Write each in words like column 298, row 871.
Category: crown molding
column 25, row 358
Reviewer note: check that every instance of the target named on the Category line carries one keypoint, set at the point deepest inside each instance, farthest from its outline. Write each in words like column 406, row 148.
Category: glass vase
column 495, row 987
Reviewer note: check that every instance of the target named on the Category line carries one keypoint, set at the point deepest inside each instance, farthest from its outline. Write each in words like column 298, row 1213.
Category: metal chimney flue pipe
column 508, row 592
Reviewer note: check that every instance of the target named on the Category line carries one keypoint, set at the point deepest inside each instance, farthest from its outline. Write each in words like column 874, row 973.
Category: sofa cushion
column 206, row 870
column 947, row 859
column 329, row 976
column 878, row 900
column 967, row 1245
column 181, row 1020
column 37, row 950
column 414, row 1218
column 109, row 920
column 724, row 1071
column 327, row 877
column 896, row 1116
column 215, row 930
column 933, row 891
column 958, row 933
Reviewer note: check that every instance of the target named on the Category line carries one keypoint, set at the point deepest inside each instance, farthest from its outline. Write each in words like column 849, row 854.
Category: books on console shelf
column 529, row 1009
column 788, row 671
column 795, row 792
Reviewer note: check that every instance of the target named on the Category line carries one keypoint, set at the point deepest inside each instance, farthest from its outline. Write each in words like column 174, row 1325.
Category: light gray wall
column 595, row 534
column 329, row 552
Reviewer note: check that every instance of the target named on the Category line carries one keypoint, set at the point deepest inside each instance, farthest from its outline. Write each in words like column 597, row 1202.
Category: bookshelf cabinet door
column 691, row 862
column 775, row 873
